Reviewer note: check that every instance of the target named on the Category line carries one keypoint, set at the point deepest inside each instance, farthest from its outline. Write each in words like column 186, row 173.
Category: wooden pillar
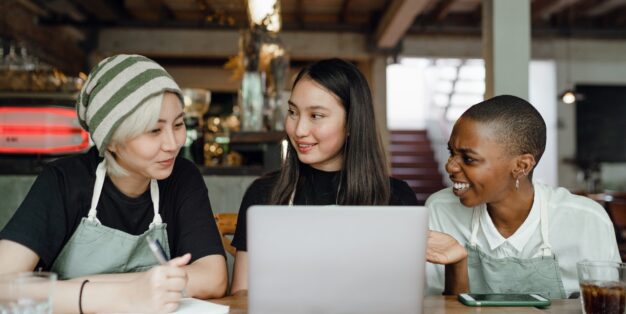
column 506, row 46
column 375, row 71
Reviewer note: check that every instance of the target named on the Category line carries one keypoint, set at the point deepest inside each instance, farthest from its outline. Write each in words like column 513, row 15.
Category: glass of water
column 27, row 293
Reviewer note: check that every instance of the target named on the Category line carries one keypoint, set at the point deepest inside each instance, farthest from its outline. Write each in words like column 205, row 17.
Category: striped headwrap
column 115, row 88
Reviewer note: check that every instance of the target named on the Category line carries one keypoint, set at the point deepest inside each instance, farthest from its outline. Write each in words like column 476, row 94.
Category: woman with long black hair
column 335, row 157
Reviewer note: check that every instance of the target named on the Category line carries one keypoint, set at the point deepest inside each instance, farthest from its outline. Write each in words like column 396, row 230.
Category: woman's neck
column 511, row 212
column 130, row 185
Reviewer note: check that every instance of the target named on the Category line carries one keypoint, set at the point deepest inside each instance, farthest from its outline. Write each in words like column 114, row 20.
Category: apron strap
column 475, row 225
column 546, row 248
column 97, row 190
column 154, row 194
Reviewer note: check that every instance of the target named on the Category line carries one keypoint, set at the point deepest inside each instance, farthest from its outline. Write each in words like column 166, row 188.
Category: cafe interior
column 426, row 62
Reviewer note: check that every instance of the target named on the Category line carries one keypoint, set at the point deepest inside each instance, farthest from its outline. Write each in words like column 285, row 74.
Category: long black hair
column 364, row 175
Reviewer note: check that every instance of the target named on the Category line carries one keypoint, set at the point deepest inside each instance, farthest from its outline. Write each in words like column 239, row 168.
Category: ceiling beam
column 162, row 9
column 605, row 7
column 299, row 13
column 32, row 7
column 345, row 11
column 396, row 21
column 66, row 8
column 583, row 7
column 543, row 9
column 103, row 10
column 186, row 43
column 442, row 9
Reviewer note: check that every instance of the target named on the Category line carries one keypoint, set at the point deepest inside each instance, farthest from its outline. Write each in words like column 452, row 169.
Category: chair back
column 227, row 224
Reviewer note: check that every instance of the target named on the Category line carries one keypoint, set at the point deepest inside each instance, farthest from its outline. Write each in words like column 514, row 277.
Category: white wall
column 407, row 99
column 541, row 92
column 590, row 62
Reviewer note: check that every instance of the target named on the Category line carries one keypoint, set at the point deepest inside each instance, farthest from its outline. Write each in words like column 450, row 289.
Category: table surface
column 438, row 304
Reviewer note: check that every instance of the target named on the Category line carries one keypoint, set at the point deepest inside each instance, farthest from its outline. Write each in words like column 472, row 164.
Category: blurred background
column 426, row 62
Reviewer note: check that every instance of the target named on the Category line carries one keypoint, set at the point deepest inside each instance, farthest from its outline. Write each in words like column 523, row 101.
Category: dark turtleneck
column 319, row 188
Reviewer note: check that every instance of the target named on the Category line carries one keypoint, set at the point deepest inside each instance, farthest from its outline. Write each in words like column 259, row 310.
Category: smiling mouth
column 167, row 161
column 460, row 186
column 305, row 147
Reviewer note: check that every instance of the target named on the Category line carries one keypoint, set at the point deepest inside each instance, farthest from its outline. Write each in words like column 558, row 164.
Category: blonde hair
column 137, row 123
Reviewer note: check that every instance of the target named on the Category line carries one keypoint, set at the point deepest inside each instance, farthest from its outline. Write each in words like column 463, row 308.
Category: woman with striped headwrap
column 87, row 217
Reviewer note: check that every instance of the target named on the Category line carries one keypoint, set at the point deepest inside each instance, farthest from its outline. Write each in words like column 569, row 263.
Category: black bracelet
column 80, row 296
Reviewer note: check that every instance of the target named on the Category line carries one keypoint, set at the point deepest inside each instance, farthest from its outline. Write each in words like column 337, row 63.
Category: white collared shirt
column 513, row 245
column 579, row 229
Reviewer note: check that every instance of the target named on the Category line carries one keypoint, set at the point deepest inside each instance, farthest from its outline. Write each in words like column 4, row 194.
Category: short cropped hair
column 519, row 126
column 140, row 121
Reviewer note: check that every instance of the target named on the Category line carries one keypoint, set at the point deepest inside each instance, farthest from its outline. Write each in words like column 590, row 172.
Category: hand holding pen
column 163, row 286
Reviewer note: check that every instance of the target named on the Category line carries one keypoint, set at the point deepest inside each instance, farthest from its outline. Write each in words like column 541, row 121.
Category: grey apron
column 98, row 249
column 539, row 274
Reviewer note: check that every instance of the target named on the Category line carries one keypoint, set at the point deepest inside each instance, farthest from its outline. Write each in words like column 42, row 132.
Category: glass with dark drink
column 602, row 287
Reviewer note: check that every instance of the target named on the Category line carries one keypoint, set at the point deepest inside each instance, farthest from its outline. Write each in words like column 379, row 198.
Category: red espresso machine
column 38, row 127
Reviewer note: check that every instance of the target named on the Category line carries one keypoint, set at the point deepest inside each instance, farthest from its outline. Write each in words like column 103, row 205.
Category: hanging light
column 568, row 96
column 265, row 13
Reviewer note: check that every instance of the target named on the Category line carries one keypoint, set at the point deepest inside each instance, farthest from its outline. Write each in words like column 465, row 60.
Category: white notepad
column 191, row 305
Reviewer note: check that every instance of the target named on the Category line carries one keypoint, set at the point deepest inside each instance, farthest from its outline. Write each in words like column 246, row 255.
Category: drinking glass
column 602, row 286
column 27, row 293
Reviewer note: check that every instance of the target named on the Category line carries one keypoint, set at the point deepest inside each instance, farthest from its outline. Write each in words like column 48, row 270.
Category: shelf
column 257, row 137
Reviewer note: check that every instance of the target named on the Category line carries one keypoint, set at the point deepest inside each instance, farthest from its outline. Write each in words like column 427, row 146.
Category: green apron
column 98, row 249
column 539, row 274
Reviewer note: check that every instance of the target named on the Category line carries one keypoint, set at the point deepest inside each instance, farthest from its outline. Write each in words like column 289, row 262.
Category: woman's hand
column 444, row 249
column 161, row 288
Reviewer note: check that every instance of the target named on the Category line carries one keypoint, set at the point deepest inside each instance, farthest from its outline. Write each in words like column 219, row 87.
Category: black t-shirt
column 61, row 197
column 320, row 189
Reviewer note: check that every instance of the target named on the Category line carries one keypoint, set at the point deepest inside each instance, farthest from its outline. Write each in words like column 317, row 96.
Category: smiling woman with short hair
column 521, row 236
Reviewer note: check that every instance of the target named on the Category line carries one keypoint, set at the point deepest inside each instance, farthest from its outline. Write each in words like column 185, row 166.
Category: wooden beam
column 162, row 9
column 224, row 43
column 299, row 13
column 544, row 9
column 396, row 21
column 32, row 7
column 345, row 11
column 442, row 9
column 65, row 8
column 102, row 9
column 581, row 8
column 213, row 78
column 605, row 7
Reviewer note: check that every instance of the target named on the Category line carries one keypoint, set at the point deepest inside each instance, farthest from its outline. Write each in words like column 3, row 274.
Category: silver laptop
column 336, row 259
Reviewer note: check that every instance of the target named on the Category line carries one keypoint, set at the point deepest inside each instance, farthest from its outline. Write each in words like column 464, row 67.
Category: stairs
column 413, row 161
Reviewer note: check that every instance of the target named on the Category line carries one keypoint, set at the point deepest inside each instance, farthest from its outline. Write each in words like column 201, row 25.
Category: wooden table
column 439, row 305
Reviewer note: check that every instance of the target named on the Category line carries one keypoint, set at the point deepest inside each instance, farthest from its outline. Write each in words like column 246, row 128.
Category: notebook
column 191, row 305
column 336, row 259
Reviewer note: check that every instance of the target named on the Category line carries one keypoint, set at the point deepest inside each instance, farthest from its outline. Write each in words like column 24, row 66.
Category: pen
column 159, row 253
column 157, row 250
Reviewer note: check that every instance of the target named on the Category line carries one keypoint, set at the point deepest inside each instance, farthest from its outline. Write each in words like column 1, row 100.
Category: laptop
column 336, row 259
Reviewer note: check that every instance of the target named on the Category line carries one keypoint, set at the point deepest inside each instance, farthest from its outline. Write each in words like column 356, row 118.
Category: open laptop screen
column 336, row 259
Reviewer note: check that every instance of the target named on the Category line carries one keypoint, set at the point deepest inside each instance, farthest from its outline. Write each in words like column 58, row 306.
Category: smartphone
column 504, row 299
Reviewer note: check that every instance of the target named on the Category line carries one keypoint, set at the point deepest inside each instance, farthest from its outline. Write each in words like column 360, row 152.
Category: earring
column 517, row 184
